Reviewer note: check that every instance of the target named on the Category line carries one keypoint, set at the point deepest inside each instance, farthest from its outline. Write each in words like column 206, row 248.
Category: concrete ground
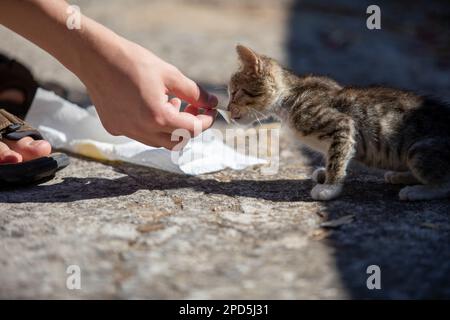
column 142, row 233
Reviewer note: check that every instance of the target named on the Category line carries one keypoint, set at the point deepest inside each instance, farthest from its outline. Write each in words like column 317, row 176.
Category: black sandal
column 15, row 76
column 37, row 170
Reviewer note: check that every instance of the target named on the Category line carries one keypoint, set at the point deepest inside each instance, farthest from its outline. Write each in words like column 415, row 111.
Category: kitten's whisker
column 261, row 113
column 257, row 119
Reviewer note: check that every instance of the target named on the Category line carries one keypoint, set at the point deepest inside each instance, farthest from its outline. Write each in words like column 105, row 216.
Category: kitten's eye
column 251, row 94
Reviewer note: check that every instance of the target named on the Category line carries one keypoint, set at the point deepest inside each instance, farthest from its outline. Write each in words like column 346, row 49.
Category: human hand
column 130, row 89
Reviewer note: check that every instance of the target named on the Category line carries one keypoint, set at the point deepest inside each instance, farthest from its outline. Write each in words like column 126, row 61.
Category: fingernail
column 212, row 101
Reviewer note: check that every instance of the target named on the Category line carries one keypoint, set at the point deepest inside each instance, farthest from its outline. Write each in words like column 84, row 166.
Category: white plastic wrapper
column 68, row 127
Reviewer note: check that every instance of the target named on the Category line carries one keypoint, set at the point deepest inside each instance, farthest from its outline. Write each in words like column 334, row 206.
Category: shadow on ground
column 409, row 241
column 138, row 178
column 410, row 51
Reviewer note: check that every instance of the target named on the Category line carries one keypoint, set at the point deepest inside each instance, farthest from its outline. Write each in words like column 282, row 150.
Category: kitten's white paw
column 319, row 175
column 408, row 193
column 424, row 192
column 326, row 191
column 400, row 178
column 390, row 176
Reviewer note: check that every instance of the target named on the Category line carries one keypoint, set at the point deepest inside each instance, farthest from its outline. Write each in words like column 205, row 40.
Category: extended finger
column 29, row 148
column 186, row 89
column 194, row 124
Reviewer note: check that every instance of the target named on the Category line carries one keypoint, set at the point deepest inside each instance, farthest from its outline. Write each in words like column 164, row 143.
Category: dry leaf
column 336, row 223
column 178, row 201
column 430, row 225
column 434, row 226
column 322, row 214
column 320, row 234
column 149, row 227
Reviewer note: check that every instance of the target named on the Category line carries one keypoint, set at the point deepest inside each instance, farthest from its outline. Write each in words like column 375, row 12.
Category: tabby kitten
column 380, row 127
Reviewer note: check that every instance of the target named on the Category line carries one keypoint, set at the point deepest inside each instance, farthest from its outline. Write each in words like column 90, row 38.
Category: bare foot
column 26, row 148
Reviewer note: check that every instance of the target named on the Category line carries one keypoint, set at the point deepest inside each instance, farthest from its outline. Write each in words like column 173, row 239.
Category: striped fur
column 381, row 127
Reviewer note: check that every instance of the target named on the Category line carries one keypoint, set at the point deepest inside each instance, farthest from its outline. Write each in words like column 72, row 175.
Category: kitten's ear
column 250, row 60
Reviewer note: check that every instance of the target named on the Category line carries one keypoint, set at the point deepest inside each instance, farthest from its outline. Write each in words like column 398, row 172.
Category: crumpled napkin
column 68, row 127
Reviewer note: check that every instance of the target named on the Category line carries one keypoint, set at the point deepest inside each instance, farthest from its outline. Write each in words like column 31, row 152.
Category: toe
column 12, row 95
column 29, row 148
column 7, row 155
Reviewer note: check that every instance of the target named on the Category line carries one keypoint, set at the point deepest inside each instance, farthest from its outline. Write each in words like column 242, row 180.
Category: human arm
column 128, row 84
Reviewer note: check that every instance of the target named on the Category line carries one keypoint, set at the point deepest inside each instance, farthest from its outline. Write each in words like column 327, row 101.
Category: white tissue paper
column 68, row 127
